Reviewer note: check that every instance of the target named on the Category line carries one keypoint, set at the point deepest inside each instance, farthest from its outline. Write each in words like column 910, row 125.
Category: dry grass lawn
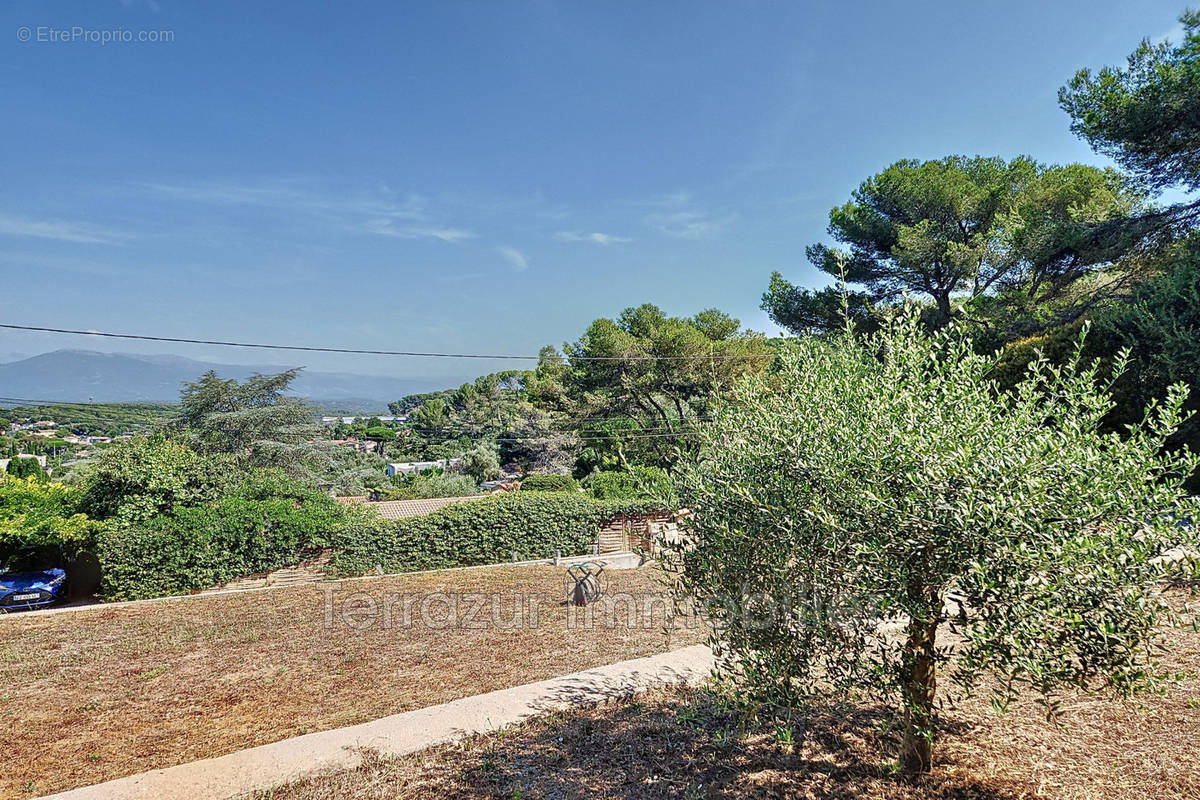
column 684, row 744
column 91, row 695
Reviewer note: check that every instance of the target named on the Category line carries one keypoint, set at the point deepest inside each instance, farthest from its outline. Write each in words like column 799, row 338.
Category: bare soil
column 99, row 693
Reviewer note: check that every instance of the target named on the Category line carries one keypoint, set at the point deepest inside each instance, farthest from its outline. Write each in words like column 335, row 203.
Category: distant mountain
column 85, row 375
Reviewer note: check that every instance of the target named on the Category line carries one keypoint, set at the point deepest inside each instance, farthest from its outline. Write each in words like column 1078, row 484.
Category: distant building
column 409, row 467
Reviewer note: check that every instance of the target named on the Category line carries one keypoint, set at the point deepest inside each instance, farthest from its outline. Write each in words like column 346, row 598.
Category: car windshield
column 33, row 559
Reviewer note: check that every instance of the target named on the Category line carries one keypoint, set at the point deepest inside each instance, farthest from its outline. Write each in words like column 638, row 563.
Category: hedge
column 548, row 483
column 487, row 531
column 637, row 482
column 202, row 546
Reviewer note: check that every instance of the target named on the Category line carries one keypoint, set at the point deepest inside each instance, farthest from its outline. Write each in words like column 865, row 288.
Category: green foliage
column 548, row 483
column 19, row 467
column 145, row 477
column 380, row 433
column 1147, row 115
column 411, row 402
column 432, row 418
column 98, row 419
column 484, row 531
column 482, row 463
column 435, row 483
column 37, row 512
column 1159, row 331
column 263, row 524
column 956, row 227
column 612, row 378
column 637, row 482
column 880, row 489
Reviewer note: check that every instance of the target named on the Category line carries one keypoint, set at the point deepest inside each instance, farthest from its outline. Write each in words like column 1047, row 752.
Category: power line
column 358, row 351
column 652, row 432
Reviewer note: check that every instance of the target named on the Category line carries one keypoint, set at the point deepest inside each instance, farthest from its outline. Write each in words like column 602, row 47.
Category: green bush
column 435, row 484
column 25, row 468
column 485, row 531
column 34, row 511
column 259, row 526
column 145, row 477
column 637, row 482
column 549, row 483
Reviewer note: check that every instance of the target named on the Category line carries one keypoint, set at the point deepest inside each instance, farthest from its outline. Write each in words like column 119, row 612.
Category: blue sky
column 484, row 176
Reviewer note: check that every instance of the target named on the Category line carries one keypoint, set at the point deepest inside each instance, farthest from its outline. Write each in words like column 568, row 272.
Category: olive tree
column 877, row 514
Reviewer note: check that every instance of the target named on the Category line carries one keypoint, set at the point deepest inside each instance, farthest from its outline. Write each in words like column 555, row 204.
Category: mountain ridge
column 75, row 376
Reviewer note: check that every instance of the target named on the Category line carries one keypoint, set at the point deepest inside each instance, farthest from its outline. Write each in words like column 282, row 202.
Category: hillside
column 89, row 376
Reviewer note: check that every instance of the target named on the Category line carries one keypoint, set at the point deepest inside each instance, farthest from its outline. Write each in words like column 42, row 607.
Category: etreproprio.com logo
column 78, row 34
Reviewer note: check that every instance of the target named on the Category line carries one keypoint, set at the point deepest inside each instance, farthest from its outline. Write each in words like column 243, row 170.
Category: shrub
column 637, row 482
column 36, row 512
column 19, row 467
column 482, row 463
column 259, row 526
column 145, row 477
column 484, row 531
column 435, row 484
column 886, row 484
column 549, row 483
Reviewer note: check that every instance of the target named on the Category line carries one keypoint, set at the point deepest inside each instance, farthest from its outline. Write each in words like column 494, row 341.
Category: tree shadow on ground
column 692, row 744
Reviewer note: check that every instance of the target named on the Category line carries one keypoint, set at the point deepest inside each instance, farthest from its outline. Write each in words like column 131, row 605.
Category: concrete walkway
column 273, row 764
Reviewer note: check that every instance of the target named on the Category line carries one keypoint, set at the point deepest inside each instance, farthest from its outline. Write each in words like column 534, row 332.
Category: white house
column 409, row 467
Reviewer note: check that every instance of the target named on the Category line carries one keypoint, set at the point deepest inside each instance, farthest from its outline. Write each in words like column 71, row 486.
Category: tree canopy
column 1145, row 116
column 658, row 373
column 953, row 229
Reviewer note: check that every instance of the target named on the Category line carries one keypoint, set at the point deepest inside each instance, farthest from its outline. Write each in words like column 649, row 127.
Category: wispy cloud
column 1175, row 35
column 514, row 257
column 666, row 200
column 677, row 215
column 294, row 198
column 380, row 214
column 59, row 230
column 594, row 238
column 385, row 227
column 689, row 224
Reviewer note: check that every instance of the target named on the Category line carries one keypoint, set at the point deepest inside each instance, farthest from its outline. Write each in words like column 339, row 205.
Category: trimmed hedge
column 549, row 483
column 487, row 531
column 203, row 546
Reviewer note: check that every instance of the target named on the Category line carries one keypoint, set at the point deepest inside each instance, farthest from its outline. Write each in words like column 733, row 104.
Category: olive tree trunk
column 919, row 687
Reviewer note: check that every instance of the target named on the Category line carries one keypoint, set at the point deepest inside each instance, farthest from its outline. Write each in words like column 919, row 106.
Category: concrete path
column 273, row 764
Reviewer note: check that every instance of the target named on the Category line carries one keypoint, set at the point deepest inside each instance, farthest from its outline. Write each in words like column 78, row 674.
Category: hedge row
column 487, row 531
column 198, row 547
column 636, row 482
column 548, row 483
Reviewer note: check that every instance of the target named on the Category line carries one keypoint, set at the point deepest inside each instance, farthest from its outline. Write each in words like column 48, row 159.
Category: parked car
column 32, row 577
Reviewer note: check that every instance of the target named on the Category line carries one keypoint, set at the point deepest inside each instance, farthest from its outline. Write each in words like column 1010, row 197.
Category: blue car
column 32, row 578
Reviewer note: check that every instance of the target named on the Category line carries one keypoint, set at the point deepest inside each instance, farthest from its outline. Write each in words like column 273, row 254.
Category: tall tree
column 1146, row 116
column 259, row 424
column 953, row 229
column 659, row 372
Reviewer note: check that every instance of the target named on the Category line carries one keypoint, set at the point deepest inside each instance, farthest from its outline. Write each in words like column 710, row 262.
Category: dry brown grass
column 96, row 694
column 685, row 744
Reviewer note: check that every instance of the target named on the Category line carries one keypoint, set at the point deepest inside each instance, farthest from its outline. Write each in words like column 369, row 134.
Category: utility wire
column 357, row 351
